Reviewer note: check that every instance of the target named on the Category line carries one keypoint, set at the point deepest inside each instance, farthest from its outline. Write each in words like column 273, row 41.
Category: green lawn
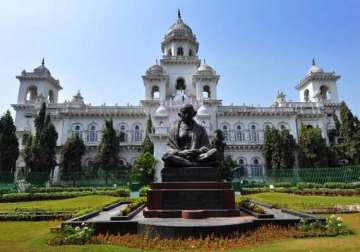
column 33, row 236
column 299, row 202
column 77, row 205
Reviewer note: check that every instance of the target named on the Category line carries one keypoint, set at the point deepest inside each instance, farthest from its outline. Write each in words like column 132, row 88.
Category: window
column 92, row 135
column 253, row 134
column 155, row 92
column 306, row 95
column 51, row 96
column 239, row 134
column 76, row 131
column 282, row 127
column 206, row 94
column 180, row 51
column 25, row 138
column 256, row 161
column 31, row 93
column 122, row 134
column 137, row 133
column 190, row 52
column 169, row 52
column 225, row 130
column 180, row 86
column 325, row 93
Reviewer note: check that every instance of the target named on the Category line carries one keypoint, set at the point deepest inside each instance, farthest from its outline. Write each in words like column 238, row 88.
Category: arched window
column 137, row 133
column 256, row 161
column 155, row 92
column 239, row 134
column 180, row 51
column 31, row 93
column 180, row 86
column 51, row 96
column 92, row 135
column 190, row 52
column 206, row 94
column 169, row 52
column 253, row 133
column 122, row 134
column 325, row 93
column 283, row 126
column 226, row 132
column 77, row 131
column 306, row 95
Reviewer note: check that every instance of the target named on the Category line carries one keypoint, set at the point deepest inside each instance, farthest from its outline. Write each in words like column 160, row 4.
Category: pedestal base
column 176, row 174
column 190, row 200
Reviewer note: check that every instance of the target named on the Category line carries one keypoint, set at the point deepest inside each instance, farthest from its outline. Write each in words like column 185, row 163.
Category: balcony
column 126, row 137
column 244, row 136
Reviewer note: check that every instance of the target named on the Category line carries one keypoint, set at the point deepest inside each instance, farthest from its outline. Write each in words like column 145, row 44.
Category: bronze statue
column 189, row 144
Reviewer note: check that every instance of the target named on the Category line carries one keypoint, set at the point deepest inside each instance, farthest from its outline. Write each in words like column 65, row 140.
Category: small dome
column 42, row 70
column 314, row 68
column 161, row 111
column 155, row 70
column 205, row 69
column 203, row 111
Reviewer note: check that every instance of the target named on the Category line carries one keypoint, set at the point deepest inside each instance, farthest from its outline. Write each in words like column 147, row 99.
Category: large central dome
column 179, row 31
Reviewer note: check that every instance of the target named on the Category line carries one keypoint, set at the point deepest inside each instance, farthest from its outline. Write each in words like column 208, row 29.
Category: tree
column 278, row 149
column 313, row 151
column 348, row 146
column 74, row 149
column 287, row 149
column 143, row 169
column 107, row 157
column 229, row 165
column 9, row 146
column 40, row 151
column 148, row 145
column 267, row 147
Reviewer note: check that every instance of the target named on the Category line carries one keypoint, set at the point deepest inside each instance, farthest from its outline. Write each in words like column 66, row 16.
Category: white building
column 180, row 77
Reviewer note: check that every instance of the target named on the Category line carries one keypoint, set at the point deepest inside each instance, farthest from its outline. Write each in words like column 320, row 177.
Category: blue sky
column 103, row 47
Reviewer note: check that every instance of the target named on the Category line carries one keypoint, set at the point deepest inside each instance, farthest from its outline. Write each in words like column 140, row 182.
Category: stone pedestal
column 201, row 196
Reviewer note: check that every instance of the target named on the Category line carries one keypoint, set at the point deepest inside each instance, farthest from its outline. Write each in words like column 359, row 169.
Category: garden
column 340, row 231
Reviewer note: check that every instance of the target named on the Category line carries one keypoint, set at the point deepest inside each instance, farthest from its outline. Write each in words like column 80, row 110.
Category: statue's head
column 187, row 112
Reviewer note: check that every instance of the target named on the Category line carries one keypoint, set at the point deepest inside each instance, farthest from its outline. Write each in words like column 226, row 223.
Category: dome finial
column 179, row 14
column 43, row 62
column 156, row 61
column 204, row 61
column 313, row 62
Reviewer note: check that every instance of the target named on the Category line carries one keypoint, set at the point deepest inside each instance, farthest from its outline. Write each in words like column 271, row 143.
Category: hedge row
column 304, row 191
column 16, row 197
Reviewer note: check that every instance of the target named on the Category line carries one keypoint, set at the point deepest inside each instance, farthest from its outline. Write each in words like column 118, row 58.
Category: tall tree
column 74, row 149
column 278, row 149
column 9, row 146
column 107, row 157
column 348, row 136
column 313, row 151
column 148, row 145
column 288, row 148
column 40, row 152
column 267, row 147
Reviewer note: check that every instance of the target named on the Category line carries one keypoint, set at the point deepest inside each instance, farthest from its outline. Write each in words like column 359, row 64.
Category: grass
column 33, row 236
column 299, row 202
column 77, row 205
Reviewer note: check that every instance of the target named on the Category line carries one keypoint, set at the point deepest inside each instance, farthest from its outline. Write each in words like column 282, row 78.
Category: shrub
column 120, row 192
column 143, row 191
column 248, row 204
column 68, row 234
column 132, row 206
column 16, row 197
column 283, row 184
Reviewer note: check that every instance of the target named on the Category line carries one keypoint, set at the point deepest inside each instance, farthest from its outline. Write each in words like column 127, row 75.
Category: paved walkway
column 106, row 215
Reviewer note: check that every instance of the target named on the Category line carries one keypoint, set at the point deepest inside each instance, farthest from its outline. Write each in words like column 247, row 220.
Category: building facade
column 179, row 77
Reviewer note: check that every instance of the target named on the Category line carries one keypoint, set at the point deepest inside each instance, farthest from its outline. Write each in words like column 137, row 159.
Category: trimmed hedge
column 143, row 191
column 16, row 197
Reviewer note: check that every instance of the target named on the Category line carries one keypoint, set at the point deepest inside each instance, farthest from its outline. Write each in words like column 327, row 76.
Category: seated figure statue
column 188, row 144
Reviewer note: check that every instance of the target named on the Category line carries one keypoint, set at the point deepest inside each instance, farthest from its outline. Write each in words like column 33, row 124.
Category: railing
column 347, row 174
column 91, row 137
column 244, row 136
